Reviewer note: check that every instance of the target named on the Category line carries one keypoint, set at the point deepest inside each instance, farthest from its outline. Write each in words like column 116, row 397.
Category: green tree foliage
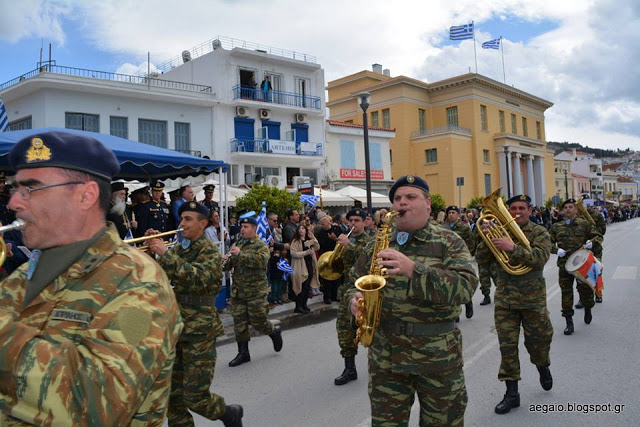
column 278, row 200
column 476, row 202
column 437, row 204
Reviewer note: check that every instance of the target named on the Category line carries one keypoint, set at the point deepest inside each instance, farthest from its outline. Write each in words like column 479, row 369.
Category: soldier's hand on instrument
column 333, row 237
column 234, row 250
column 504, row 244
column 354, row 303
column 561, row 252
column 588, row 245
column 486, row 227
column 396, row 262
column 151, row 232
column 343, row 239
column 9, row 251
column 157, row 246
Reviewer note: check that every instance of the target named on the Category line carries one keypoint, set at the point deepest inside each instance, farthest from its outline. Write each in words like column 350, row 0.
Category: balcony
column 276, row 97
column 276, row 147
column 441, row 130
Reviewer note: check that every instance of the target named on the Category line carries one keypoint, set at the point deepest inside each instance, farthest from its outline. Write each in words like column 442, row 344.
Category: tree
column 475, row 202
column 278, row 200
column 437, row 204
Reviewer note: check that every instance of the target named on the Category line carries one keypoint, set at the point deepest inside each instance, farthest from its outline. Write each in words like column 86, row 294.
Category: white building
column 585, row 165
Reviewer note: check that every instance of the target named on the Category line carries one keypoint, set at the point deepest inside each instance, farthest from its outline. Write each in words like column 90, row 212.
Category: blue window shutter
column 374, row 156
column 347, row 154
column 273, row 129
column 302, row 132
column 244, row 128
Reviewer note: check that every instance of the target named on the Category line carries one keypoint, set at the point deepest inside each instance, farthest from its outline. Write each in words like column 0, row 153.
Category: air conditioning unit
column 265, row 114
column 274, row 181
column 242, row 111
column 299, row 118
column 297, row 180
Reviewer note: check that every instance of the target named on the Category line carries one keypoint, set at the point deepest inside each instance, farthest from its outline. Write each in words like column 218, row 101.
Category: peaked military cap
column 117, row 186
column 174, row 192
column 569, row 201
column 451, row 208
column 143, row 190
column 3, row 177
column 209, row 188
column 357, row 212
column 193, row 207
column 409, row 181
column 519, row 198
column 157, row 185
column 249, row 220
column 64, row 150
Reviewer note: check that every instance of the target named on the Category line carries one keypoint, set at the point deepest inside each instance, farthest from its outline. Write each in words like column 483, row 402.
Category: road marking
column 625, row 272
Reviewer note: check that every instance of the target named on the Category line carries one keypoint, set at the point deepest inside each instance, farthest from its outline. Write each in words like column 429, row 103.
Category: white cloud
column 32, row 18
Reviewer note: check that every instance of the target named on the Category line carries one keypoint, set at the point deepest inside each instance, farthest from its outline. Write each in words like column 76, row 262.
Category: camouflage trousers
column 252, row 311
column 191, row 379
column 486, row 273
column 345, row 328
column 566, row 287
column 538, row 333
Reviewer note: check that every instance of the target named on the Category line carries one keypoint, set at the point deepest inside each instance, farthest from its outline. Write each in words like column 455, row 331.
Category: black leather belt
column 398, row 327
column 198, row 300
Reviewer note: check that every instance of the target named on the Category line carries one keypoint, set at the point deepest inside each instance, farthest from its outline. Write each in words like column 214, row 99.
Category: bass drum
column 581, row 263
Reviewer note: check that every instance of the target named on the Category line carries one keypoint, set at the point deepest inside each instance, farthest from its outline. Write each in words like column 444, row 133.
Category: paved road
column 596, row 365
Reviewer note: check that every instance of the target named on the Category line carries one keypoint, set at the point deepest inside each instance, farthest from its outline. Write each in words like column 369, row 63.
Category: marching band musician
column 194, row 268
column 417, row 348
column 601, row 227
column 521, row 301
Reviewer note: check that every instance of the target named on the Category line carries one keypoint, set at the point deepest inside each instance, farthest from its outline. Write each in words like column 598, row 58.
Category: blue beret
column 451, row 208
column 157, row 185
column 409, row 181
column 64, row 150
column 357, row 212
column 249, row 220
column 519, row 198
column 193, row 207
column 569, row 201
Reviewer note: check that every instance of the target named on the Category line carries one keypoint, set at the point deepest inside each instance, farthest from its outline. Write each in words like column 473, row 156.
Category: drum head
column 575, row 261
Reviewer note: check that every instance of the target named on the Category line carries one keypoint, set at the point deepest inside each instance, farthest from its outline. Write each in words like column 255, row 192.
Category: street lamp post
column 506, row 161
column 364, row 99
column 566, row 186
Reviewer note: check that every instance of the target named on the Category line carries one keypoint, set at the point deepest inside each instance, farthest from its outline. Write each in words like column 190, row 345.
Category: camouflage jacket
column 528, row 290
column 95, row 347
column 571, row 237
column 249, row 269
column 196, row 271
column 443, row 279
column 601, row 225
column 464, row 231
column 353, row 250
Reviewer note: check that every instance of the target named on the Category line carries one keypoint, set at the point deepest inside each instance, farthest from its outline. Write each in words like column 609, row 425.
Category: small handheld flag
column 309, row 199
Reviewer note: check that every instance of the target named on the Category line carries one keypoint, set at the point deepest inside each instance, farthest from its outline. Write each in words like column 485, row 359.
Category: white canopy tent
column 359, row 194
column 331, row 198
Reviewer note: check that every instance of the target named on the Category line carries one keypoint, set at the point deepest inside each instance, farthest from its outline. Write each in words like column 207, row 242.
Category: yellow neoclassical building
column 468, row 126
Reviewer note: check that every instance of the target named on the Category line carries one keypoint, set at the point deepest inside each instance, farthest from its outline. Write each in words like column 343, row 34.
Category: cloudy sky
column 582, row 55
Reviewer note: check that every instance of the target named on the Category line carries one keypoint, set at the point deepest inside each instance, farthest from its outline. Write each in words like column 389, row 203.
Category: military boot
column 546, row 380
column 349, row 373
column 276, row 337
column 569, row 329
column 579, row 304
column 511, row 398
column 468, row 310
column 243, row 354
column 587, row 315
column 486, row 300
column 232, row 416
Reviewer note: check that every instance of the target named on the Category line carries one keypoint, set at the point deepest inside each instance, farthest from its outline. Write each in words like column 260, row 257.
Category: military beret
column 193, row 207
column 519, row 198
column 357, row 212
column 117, row 186
column 157, row 185
column 249, row 220
column 451, row 208
column 209, row 187
column 64, row 150
column 409, row 181
column 569, row 201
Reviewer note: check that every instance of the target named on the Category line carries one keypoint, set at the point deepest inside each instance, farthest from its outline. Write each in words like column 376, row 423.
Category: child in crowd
column 275, row 277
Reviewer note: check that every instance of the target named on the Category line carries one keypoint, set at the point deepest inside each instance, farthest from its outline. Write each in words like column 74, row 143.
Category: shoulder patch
column 134, row 323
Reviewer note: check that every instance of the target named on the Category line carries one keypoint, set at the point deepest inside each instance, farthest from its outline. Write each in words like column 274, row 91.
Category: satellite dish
column 186, row 56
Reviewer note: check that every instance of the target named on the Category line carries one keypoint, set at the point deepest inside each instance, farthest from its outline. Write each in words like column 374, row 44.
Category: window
column 264, row 171
column 501, row 120
column 386, row 119
column 312, row 174
column 483, row 117
column 119, row 126
column 80, row 121
column 524, row 127
column 452, row 116
column 21, row 124
column 538, row 131
column 374, row 119
column 487, row 184
column 513, row 124
column 432, row 155
column 182, row 136
column 347, row 154
column 485, row 156
column 152, row 132
column 374, row 156
column 421, row 119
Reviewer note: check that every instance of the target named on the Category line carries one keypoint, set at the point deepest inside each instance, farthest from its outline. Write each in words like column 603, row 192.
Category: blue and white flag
column 4, row 118
column 129, row 235
column 263, row 225
column 491, row 44
column 461, row 32
column 309, row 199
column 285, row 267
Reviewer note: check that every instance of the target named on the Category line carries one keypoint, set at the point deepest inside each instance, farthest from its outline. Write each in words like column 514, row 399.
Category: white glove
column 589, row 244
column 561, row 252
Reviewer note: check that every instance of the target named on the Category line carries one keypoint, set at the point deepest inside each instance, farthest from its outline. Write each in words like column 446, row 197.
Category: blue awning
column 137, row 160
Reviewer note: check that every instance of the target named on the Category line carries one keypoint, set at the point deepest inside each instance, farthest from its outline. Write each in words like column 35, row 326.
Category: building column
column 517, row 176
column 510, row 177
column 502, row 166
column 530, row 182
column 541, row 191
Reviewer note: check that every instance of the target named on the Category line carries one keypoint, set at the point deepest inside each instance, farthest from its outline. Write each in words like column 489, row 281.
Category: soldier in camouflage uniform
column 601, row 227
column 88, row 326
column 568, row 236
column 417, row 348
column 352, row 248
column 487, row 271
column 194, row 268
column 248, row 259
column 453, row 223
column 521, row 301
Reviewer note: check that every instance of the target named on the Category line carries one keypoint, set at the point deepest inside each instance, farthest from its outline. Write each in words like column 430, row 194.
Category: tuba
column 330, row 265
column 370, row 306
column 504, row 227
column 583, row 212
column 18, row 224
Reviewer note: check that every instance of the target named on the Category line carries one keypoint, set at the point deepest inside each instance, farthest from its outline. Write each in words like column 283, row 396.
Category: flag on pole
column 263, row 225
column 309, row 199
column 4, row 118
column 285, row 267
column 491, row 44
column 461, row 32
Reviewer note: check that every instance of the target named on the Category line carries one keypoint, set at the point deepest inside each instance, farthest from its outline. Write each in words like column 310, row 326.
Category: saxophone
column 368, row 317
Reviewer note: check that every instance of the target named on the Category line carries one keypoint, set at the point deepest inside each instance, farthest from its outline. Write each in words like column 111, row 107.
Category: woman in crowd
column 303, row 261
column 215, row 232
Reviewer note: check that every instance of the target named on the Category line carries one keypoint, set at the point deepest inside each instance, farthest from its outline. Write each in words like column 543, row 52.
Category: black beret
column 451, row 208
column 519, row 198
column 357, row 212
column 157, row 185
column 64, row 150
column 569, row 201
column 209, row 187
column 117, row 186
column 409, row 181
column 249, row 220
column 193, row 207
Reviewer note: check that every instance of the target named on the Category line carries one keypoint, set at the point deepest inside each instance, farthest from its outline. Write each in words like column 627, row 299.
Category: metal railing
column 442, row 129
column 262, row 146
column 106, row 75
column 276, row 97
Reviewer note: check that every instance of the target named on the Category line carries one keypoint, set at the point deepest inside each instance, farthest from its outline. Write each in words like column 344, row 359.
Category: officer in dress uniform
column 155, row 213
column 208, row 197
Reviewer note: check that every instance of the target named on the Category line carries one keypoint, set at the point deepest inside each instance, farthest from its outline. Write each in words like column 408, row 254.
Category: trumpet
column 152, row 236
column 18, row 224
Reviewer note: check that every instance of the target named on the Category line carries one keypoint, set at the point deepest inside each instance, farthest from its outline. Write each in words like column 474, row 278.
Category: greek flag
column 491, row 44
column 263, row 225
column 309, row 199
column 4, row 118
column 285, row 267
column 129, row 235
column 461, row 32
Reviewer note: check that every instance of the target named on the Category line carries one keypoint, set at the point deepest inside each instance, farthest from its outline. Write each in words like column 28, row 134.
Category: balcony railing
column 105, row 75
column 440, row 130
column 273, row 146
column 276, row 97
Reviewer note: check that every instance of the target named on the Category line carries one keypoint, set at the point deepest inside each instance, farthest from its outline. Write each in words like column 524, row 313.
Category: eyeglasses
column 25, row 192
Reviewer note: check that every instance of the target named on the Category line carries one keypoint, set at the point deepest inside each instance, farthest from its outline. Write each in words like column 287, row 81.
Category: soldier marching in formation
column 453, row 223
column 601, row 227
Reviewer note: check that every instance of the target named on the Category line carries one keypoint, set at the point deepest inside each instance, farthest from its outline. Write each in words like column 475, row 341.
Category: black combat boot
column 569, row 329
column 243, row 354
column 598, row 299
column 468, row 310
column 587, row 315
column 546, row 380
column 579, row 304
column 349, row 373
column 486, row 300
column 511, row 398
column 299, row 308
column 232, row 416
column 276, row 337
